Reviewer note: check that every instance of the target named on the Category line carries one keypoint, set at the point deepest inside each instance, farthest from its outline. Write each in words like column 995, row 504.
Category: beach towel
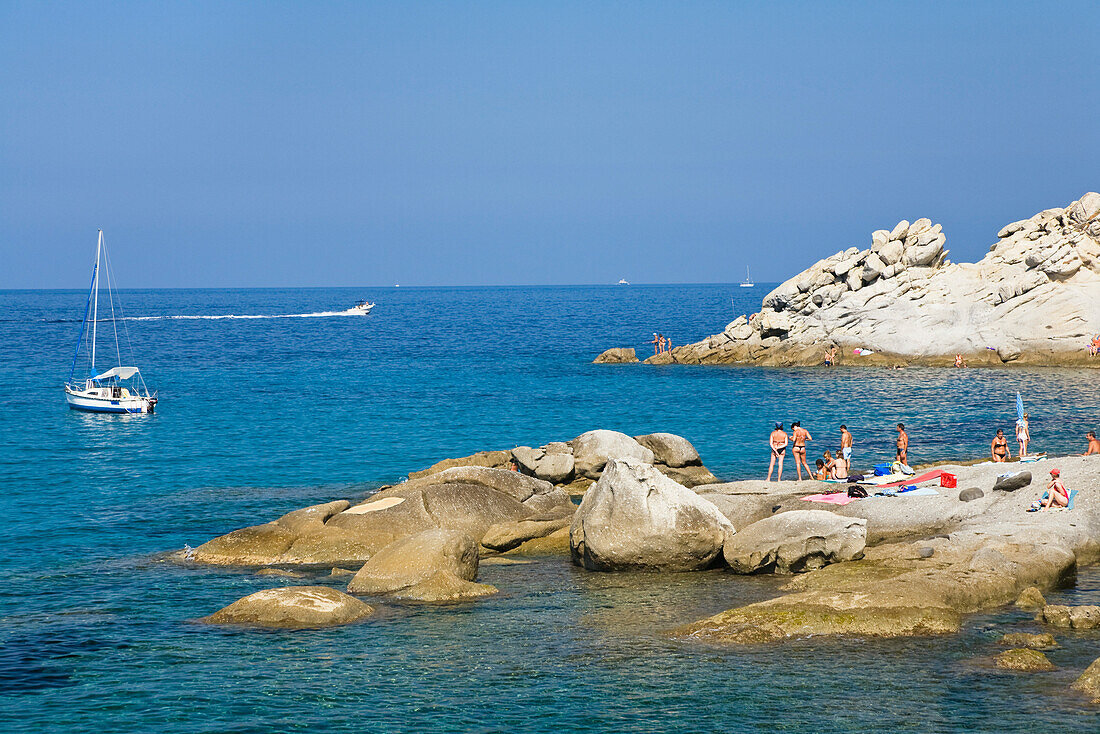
column 839, row 498
column 934, row 474
column 879, row 481
column 919, row 492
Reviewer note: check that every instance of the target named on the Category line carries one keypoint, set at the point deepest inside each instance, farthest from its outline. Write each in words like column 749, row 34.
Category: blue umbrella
column 1019, row 406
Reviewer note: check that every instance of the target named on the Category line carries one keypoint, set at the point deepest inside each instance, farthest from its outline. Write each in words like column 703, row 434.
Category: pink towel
column 837, row 498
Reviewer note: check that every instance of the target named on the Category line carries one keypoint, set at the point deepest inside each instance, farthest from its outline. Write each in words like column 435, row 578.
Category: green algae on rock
column 1024, row 659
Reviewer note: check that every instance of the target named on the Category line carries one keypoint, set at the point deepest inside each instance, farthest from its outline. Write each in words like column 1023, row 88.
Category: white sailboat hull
column 93, row 402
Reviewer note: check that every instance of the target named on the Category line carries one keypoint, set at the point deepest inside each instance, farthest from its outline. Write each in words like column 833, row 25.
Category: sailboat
column 747, row 282
column 119, row 389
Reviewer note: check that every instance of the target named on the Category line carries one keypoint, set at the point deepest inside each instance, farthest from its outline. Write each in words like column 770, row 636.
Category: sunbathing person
column 820, row 473
column 1094, row 444
column 840, row 468
column 1000, row 446
column 1057, row 494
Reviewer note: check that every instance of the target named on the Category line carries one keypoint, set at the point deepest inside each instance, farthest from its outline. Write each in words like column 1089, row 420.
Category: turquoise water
column 262, row 415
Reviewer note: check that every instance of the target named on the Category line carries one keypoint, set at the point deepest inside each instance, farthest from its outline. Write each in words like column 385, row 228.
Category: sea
column 273, row 399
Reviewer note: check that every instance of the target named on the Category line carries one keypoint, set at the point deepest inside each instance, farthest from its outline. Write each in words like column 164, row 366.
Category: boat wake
column 224, row 317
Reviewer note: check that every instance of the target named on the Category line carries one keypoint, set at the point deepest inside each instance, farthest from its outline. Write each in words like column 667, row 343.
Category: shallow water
column 262, row 415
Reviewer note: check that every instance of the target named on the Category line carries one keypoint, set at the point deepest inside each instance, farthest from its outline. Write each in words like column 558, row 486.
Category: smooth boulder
column 1089, row 682
column 1024, row 659
column 634, row 517
column 293, row 607
column 617, row 355
column 592, row 450
column 413, row 559
column 1083, row 617
column 796, row 541
column 670, row 449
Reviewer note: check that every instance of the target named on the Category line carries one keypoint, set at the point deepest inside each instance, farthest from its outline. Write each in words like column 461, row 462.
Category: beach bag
column 882, row 470
column 856, row 491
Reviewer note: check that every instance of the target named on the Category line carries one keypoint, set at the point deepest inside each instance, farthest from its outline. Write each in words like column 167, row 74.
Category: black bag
column 856, row 491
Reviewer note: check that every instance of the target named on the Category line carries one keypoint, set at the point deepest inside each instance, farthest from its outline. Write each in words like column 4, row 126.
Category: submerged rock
column 1079, row 618
column 293, row 607
column 1031, row 599
column 637, row 518
column 1024, row 659
column 1044, row 641
column 791, row 542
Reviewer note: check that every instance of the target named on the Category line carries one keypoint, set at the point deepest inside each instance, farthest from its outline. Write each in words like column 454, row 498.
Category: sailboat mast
column 95, row 307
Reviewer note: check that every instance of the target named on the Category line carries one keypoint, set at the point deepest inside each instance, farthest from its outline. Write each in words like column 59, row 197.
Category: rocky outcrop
column 1031, row 599
column 634, row 517
column 796, row 541
column 985, row 554
column 1079, row 618
column 1089, row 682
column 617, row 355
column 293, row 607
column 1031, row 300
column 1024, row 659
column 436, row 565
column 592, row 451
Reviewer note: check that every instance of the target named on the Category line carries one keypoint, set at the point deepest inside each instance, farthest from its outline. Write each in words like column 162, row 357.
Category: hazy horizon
column 332, row 144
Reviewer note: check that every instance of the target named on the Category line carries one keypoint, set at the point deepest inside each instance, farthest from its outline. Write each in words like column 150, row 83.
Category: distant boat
column 119, row 389
column 623, row 281
column 362, row 308
column 747, row 282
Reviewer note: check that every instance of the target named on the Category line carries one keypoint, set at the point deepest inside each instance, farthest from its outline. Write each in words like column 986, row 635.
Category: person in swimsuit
column 1057, row 494
column 655, row 343
column 778, row 444
column 820, row 473
column 1000, row 446
column 1023, row 434
column 846, row 445
column 829, row 463
column 840, row 468
column 799, row 436
column 903, row 445
column 830, row 357
column 1094, row 444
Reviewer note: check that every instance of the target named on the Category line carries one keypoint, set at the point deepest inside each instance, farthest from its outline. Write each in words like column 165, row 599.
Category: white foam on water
column 220, row 317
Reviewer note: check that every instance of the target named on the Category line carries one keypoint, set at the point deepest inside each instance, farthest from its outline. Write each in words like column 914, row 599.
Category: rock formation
column 617, row 355
column 1089, row 682
column 791, row 542
column 634, row 517
column 1024, row 660
column 1033, row 299
column 435, row 565
column 293, row 607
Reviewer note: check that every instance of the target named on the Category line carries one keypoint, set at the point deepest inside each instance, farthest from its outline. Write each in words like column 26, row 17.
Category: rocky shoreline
column 883, row 566
column 1033, row 300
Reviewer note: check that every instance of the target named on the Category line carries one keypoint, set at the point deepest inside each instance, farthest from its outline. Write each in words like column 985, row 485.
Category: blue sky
column 286, row 144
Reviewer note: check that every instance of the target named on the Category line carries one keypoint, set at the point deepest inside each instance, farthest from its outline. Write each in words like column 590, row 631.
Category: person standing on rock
column 778, row 443
column 1023, row 434
column 656, row 342
column 846, row 444
column 903, row 445
column 1000, row 446
column 799, row 436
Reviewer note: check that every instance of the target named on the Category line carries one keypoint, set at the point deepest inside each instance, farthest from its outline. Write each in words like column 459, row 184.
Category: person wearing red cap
column 1057, row 494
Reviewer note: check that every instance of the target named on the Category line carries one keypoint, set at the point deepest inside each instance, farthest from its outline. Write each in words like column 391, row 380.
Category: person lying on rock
column 1057, row 494
column 1000, row 446
column 778, row 443
column 1094, row 444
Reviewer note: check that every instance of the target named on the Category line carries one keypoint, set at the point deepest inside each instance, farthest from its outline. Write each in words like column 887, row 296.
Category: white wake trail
column 221, row 317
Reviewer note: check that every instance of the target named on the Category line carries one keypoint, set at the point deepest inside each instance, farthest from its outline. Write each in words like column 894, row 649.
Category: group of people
column 827, row 467
column 999, row 447
column 661, row 343
column 1094, row 346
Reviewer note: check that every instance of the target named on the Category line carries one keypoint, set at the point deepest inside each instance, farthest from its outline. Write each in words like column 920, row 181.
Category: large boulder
column 634, row 517
column 1079, row 618
column 1012, row 482
column 447, row 559
column 617, row 355
column 494, row 459
column 262, row 545
column 508, row 535
column 670, row 449
column 552, row 463
column 293, row 607
column 592, row 450
column 791, row 542
column 1024, row 659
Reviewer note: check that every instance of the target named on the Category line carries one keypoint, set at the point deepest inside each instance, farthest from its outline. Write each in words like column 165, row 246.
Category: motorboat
column 747, row 282
column 623, row 281
column 120, row 389
column 362, row 307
